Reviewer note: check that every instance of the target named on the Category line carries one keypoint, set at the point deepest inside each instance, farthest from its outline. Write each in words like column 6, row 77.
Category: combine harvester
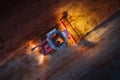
column 57, row 38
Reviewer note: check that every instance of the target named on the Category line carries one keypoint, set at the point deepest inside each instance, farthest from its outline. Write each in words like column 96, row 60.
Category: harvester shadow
column 86, row 43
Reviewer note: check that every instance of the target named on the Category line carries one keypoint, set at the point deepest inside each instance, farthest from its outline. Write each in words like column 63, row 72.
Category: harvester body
column 55, row 41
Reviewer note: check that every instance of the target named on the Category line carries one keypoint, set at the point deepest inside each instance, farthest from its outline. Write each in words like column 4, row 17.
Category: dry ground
column 98, row 62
